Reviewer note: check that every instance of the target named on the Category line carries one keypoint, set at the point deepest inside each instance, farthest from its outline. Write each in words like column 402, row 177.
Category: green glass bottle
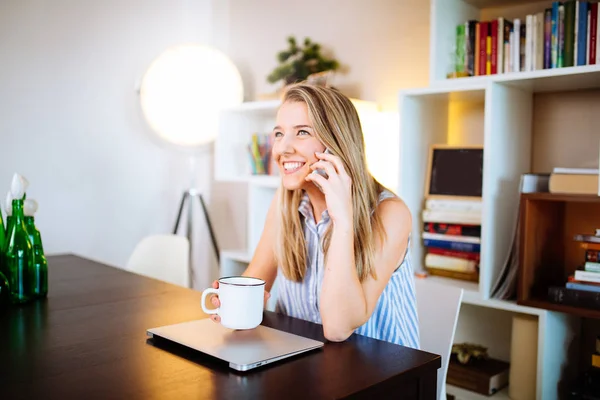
column 2, row 234
column 40, row 264
column 19, row 257
column 8, row 208
column 4, row 291
column 2, row 246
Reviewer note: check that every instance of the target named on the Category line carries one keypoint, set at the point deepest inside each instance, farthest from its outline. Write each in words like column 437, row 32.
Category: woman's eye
column 301, row 132
column 278, row 134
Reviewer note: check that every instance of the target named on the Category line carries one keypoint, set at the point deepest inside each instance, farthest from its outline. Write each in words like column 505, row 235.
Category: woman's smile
column 290, row 167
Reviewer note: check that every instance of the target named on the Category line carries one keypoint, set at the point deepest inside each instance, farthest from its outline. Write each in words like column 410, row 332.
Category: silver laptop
column 242, row 349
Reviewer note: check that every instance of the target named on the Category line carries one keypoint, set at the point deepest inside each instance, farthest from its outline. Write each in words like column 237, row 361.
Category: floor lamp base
column 188, row 196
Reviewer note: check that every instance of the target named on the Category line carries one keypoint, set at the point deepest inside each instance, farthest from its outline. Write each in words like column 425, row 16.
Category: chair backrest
column 438, row 306
column 163, row 257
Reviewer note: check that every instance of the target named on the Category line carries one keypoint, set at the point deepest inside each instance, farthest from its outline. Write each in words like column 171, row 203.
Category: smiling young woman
column 337, row 242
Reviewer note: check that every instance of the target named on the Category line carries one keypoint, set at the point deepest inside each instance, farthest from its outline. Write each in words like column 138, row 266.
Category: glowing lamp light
column 183, row 91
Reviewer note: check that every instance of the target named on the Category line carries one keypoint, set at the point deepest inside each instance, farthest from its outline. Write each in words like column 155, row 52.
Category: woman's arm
column 346, row 304
column 264, row 264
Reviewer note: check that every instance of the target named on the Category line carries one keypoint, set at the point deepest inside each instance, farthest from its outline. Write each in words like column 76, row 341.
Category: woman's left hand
column 336, row 187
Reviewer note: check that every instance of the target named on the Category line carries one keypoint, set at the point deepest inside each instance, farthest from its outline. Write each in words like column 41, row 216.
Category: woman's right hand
column 214, row 300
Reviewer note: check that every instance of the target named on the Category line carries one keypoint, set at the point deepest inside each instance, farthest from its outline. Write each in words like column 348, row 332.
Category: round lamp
column 181, row 95
column 183, row 91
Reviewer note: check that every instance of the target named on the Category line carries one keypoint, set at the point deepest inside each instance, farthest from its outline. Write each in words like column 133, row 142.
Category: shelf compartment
column 437, row 118
column 549, row 254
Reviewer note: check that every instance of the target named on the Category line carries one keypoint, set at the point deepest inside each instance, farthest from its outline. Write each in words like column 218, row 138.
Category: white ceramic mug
column 242, row 301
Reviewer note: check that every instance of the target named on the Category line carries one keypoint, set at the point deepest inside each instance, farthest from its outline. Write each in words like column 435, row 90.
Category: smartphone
column 321, row 171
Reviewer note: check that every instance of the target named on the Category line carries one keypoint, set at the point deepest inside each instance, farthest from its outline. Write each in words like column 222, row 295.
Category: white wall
column 383, row 44
column 70, row 120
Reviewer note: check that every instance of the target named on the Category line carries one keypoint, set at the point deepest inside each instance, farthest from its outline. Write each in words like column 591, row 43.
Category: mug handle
column 205, row 293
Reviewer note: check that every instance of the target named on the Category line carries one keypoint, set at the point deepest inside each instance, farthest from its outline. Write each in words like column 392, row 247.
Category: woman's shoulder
column 393, row 211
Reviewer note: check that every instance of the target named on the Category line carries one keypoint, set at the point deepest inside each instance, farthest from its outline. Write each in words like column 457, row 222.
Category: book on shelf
column 587, row 276
column 586, row 238
column 573, row 297
column 588, row 287
column 453, row 204
column 452, row 217
column 564, row 34
column 574, row 183
column 485, row 376
column 445, row 273
column 452, row 229
column 452, row 238
column 449, row 245
column 453, row 253
column 450, row 263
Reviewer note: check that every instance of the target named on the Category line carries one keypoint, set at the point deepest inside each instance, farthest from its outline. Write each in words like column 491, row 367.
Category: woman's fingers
column 319, row 180
column 215, row 301
column 215, row 318
column 326, row 166
column 336, row 161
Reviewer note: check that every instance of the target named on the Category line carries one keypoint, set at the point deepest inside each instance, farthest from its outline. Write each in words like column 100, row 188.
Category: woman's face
column 294, row 146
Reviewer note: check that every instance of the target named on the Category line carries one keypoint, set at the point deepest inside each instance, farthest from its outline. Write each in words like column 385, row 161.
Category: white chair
column 438, row 306
column 163, row 257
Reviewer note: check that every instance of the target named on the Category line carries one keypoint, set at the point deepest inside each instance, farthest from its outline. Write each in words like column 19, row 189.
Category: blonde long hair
column 338, row 127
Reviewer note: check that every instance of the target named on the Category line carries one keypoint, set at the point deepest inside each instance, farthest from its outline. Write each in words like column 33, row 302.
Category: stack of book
column 583, row 287
column 452, row 238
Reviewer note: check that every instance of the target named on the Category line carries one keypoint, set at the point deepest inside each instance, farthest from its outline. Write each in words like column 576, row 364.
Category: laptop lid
column 242, row 349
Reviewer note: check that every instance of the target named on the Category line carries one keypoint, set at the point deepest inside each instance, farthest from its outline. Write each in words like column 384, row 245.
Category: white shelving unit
column 495, row 111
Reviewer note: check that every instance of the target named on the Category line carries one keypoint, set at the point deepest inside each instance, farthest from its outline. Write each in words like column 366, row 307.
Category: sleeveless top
column 394, row 318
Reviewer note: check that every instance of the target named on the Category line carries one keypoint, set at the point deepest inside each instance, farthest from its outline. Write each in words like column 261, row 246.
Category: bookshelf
column 496, row 111
column 502, row 113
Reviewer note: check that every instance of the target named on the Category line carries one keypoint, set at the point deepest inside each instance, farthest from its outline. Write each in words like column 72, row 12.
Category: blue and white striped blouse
column 395, row 316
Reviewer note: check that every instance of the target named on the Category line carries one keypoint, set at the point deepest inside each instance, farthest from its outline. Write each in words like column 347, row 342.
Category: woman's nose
column 285, row 145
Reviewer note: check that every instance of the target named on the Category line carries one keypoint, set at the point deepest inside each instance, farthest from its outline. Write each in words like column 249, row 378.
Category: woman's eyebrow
column 296, row 127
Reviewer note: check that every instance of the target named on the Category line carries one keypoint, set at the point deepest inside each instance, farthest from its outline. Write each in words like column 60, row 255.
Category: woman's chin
column 290, row 182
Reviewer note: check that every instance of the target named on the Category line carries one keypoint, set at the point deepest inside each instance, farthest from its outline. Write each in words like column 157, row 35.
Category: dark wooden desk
column 88, row 340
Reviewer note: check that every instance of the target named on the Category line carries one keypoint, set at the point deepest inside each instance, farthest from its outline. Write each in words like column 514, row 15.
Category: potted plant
column 299, row 63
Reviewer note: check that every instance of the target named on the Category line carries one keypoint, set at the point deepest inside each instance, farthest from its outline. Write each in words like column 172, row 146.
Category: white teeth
column 288, row 166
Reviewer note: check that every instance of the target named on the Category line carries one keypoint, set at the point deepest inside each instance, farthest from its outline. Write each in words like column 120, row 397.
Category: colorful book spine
column 459, row 246
column 582, row 33
column 453, row 253
column 451, row 238
column 452, row 229
column 593, row 33
column 547, row 38
column 554, row 37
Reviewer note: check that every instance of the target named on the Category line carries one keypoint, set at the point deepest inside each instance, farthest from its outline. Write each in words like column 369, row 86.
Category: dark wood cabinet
column 548, row 253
